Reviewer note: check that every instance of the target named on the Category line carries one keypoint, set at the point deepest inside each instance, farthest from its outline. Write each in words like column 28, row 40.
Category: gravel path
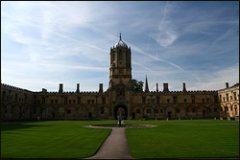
column 115, row 146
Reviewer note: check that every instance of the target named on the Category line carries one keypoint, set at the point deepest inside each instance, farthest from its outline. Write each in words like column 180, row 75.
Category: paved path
column 115, row 146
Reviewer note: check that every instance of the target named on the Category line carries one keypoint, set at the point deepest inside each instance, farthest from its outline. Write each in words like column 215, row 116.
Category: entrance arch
column 120, row 108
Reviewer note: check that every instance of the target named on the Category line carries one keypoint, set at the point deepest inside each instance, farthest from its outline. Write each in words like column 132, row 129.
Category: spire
column 120, row 36
column 146, row 85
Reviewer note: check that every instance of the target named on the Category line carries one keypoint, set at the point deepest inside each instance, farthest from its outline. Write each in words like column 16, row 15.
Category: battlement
column 71, row 93
column 15, row 88
column 183, row 92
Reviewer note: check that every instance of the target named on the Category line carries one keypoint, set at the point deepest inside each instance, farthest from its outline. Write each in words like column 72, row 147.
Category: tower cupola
column 120, row 43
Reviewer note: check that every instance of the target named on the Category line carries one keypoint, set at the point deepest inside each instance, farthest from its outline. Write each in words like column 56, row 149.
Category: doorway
column 120, row 110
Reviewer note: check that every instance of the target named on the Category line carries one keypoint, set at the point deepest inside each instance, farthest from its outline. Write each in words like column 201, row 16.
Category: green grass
column 170, row 139
column 52, row 139
column 179, row 139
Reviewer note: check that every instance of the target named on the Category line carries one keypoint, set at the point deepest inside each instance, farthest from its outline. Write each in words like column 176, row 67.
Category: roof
column 120, row 43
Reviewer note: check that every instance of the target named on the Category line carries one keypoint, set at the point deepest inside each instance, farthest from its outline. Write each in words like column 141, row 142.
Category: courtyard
column 168, row 139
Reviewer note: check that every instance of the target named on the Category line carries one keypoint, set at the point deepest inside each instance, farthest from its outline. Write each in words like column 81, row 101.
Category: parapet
column 15, row 88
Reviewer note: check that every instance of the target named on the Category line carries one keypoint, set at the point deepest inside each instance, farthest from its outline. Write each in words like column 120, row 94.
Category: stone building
column 229, row 101
column 21, row 104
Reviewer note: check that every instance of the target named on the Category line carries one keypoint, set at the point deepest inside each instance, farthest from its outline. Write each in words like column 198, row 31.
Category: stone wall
column 229, row 101
column 21, row 104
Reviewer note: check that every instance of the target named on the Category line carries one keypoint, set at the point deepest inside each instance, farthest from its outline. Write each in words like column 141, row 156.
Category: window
column 65, row 100
column 220, row 98
column 56, row 101
column 158, row 98
column 193, row 99
column 215, row 110
column 143, row 100
column 103, row 100
column 102, row 110
column 113, row 56
column 148, row 110
column 16, row 97
column 185, row 100
column 193, row 110
column 120, row 54
column 4, row 94
column 208, row 100
column 120, row 71
column 68, row 111
column 138, row 111
column 177, row 110
column 69, row 101
column 226, row 109
column 215, row 98
column 168, row 100
column 227, row 97
column 161, row 111
column 203, row 100
column 153, row 100
column 52, row 101
column 175, row 99
column 43, row 100
column 155, row 110
column 235, row 95
column 78, row 100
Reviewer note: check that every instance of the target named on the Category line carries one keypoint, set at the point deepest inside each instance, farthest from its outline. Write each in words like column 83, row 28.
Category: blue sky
column 47, row 43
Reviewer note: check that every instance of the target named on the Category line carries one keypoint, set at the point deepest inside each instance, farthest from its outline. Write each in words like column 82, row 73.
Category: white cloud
column 217, row 79
column 55, row 38
column 166, row 34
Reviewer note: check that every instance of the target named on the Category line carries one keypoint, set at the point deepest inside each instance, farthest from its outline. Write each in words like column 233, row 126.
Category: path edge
column 100, row 145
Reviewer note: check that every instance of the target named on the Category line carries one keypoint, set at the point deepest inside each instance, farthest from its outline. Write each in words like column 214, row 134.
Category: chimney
column 44, row 90
column 184, row 87
column 100, row 88
column 60, row 88
column 78, row 90
column 157, row 87
column 227, row 85
column 165, row 87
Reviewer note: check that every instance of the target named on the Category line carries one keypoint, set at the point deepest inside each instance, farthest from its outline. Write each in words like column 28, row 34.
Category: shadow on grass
column 16, row 126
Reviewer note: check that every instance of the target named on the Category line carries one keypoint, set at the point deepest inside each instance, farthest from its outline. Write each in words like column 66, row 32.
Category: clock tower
column 120, row 64
column 120, row 75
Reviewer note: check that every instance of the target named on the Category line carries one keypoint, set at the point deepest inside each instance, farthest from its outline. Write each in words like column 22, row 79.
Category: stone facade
column 229, row 101
column 21, row 104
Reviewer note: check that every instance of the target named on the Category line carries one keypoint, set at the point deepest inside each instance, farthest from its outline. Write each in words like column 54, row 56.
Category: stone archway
column 120, row 108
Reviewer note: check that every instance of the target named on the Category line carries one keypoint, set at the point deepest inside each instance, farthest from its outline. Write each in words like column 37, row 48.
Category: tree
column 135, row 86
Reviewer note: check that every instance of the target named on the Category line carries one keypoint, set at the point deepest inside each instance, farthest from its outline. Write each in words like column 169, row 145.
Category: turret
column 100, row 88
column 184, row 87
column 227, row 85
column 60, row 88
column 78, row 90
column 165, row 87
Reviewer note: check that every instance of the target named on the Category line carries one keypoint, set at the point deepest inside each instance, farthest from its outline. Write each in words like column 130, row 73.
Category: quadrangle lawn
column 52, row 139
column 182, row 139
column 169, row 139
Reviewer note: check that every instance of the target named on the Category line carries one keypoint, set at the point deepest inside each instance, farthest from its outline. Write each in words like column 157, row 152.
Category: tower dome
column 120, row 43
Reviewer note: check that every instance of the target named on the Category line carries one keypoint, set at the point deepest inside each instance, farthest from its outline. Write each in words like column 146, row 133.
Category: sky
column 47, row 43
